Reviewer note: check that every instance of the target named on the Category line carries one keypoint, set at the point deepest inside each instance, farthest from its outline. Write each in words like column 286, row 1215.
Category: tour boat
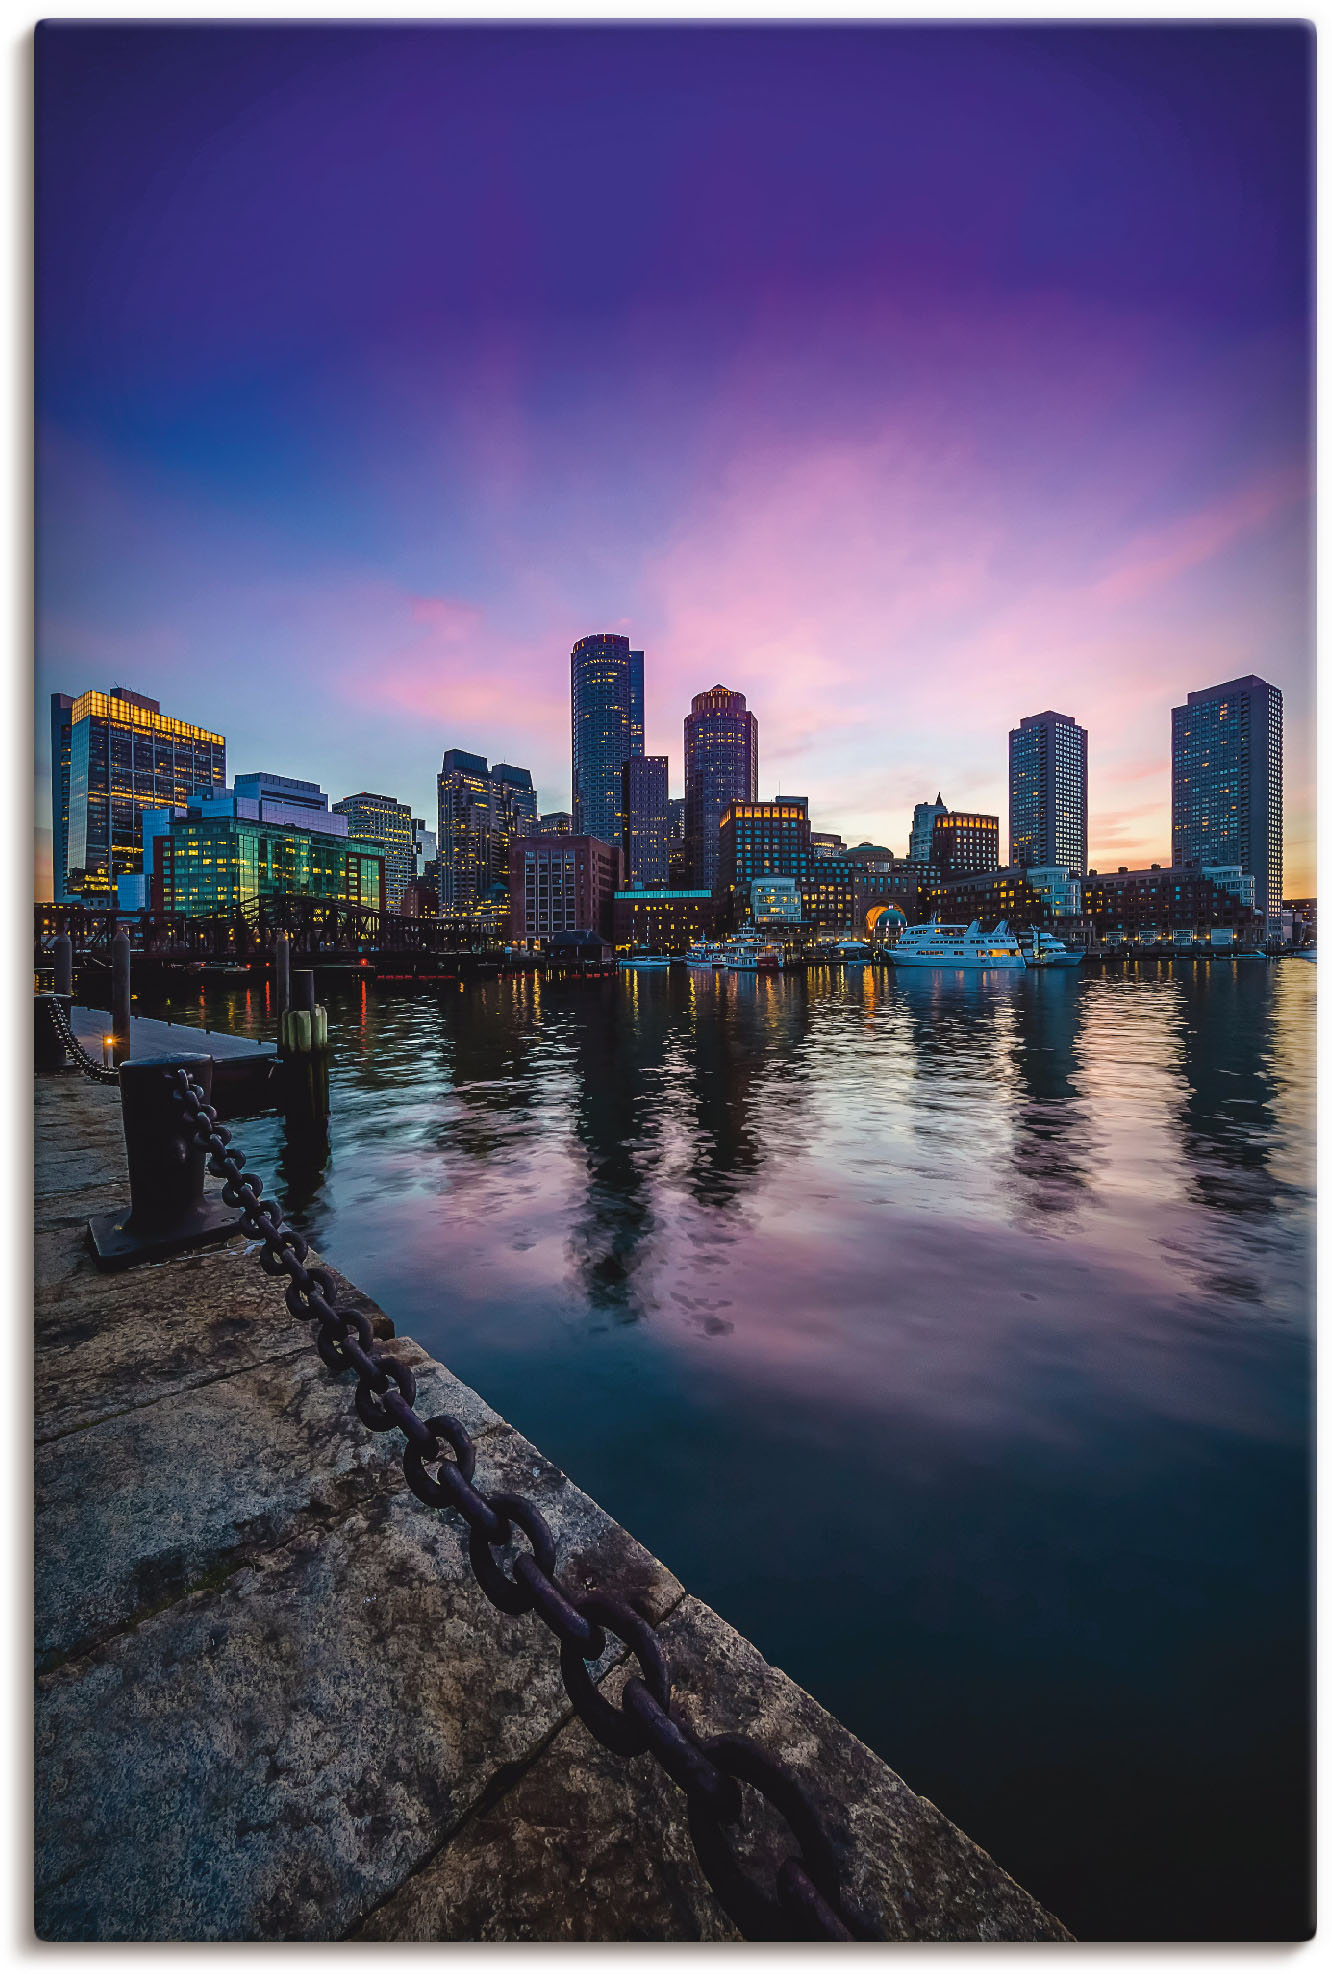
column 1043, row 949
column 652, row 961
column 702, row 953
column 744, row 952
column 949, row 946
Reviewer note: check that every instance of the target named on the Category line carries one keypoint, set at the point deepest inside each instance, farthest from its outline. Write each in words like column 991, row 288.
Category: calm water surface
column 952, row 1338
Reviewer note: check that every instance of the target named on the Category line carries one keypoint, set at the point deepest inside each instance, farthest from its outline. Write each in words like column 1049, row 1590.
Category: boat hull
column 962, row 963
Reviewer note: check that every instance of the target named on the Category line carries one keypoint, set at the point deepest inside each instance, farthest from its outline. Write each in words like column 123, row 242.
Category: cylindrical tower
column 721, row 766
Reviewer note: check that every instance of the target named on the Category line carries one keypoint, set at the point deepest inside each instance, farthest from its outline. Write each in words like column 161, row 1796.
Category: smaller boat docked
column 1043, row 949
column 646, row 962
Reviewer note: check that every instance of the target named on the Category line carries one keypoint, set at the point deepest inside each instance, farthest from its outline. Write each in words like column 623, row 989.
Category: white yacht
column 1043, row 949
column 949, row 946
column 702, row 954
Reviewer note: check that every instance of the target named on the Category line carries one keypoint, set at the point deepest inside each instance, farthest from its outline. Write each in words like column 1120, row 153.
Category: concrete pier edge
column 272, row 1703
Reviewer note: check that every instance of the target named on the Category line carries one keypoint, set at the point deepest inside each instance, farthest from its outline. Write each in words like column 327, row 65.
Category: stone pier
column 272, row 1704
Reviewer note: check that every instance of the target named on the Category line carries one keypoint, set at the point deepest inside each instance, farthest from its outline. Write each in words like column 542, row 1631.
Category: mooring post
column 282, row 972
column 303, row 1046
column 64, row 965
column 120, row 995
column 167, row 1210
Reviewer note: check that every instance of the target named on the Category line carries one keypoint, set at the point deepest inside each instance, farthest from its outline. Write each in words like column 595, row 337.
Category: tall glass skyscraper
column 721, row 766
column 606, row 691
column 1226, row 783
column 482, row 811
column 1047, row 793
column 113, row 755
column 382, row 820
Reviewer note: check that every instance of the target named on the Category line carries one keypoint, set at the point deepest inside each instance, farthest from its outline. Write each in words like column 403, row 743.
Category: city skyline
column 952, row 439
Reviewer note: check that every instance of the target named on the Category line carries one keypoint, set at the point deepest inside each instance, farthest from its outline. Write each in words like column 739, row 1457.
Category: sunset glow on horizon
column 907, row 380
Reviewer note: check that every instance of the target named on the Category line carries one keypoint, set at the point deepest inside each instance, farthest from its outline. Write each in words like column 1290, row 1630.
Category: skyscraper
column 481, row 812
column 606, row 693
column 646, row 819
column 1047, row 793
column 113, row 755
column 721, row 766
column 1226, row 783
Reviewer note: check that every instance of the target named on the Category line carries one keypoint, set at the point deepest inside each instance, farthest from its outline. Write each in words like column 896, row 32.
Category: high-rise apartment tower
column 1226, row 783
column 1047, row 793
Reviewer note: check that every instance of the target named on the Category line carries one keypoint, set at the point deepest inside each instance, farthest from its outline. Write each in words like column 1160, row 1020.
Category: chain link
column 95, row 1072
column 804, row 1901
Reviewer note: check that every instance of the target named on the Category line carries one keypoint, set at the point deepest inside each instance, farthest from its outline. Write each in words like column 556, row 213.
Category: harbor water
column 950, row 1334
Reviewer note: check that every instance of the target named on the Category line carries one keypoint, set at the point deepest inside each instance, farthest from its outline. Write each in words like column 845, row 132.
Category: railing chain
column 804, row 1902
column 95, row 1072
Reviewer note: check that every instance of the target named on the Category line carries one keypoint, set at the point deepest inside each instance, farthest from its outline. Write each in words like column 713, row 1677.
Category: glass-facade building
column 646, row 805
column 721, row 767
column 1226, row 793
column 382, row 820
column 1047, row 793
column 114, row 755
column 206, row 865
column 606, row 695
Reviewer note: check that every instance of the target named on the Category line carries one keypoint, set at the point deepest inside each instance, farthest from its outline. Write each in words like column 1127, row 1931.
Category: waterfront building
column 562, row 884
column 774, row 840
column 380, row 819
column 1146, row 904
column 482, row 812
column 961, row 844
column 1226, row 783
column 761, row 839
column 922, row 829
column 663, row 921
column 606, row 694
column 1047, row 792
column 721, row 767
column 221, row 856
column 283, row 799
column 558, row 822
column 776, row 901
column 1304, row 915
column 645, row 807
column 113, row 755
column 826, row 843
column 421, row 898
column 1010, row 893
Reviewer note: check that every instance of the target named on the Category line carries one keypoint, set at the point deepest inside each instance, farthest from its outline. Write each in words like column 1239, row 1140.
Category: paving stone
column 270, row 1758
column 589, row 1846
column 138, row 1510
column 112, row 1342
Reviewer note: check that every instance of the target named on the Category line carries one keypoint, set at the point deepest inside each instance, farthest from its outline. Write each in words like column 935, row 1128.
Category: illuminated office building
column 606, row 695
column 1226, row 783
column 962, row 843
column 721, row 767
column 380, row 819
column 113, row 755
column 482, row 811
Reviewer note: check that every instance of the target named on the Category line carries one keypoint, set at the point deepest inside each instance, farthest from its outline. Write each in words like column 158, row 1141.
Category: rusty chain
column 95, row 1072
column 804, row 1901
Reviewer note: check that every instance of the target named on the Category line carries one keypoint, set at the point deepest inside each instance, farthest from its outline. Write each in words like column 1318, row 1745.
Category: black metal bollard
column 120, row 994
column 167, row 1210
column 48, row 1050
column 63, row 955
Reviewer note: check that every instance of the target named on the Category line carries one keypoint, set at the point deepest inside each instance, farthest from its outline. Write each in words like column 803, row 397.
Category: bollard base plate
column 118, row 1245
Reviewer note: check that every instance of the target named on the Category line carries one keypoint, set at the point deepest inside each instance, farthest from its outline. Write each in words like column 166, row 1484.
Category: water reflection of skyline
column 1023, row 1267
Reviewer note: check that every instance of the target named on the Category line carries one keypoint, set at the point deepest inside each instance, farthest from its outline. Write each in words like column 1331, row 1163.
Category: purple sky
column 907, row 380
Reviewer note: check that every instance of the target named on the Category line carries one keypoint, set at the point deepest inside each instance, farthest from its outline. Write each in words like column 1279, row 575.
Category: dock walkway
column 274, row 1705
